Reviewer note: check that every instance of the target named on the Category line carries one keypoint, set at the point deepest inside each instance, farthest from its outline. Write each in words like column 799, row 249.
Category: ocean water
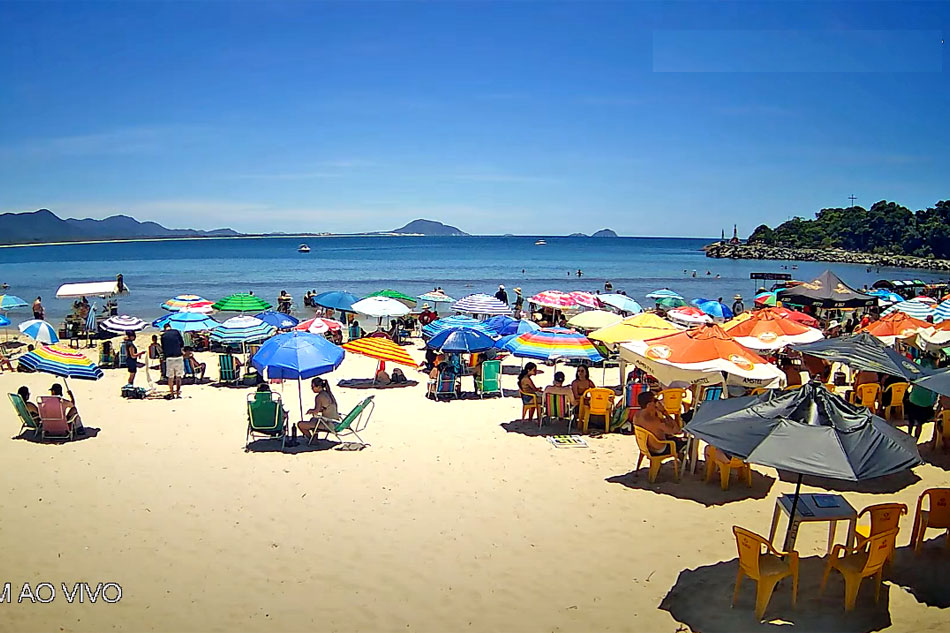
column 214, row 268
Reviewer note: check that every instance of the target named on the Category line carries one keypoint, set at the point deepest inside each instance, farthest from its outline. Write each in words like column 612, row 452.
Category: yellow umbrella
column 594, row 319
column 736, row 320
column 380, row 348
column 637, row 328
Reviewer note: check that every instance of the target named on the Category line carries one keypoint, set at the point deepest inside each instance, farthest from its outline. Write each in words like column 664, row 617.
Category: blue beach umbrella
column 454, row 321
column 279, row 320
column 664, row 293
column 11, row 302
column 242, row 329
column 461, row 340
column 187, row 322
column 713, row 308
column 942, row 311
column 337, row 300
column 886, row 296
column 917, row 309
column 621, row 302
column 4, row 321
column 40, row 331
column 505, row 325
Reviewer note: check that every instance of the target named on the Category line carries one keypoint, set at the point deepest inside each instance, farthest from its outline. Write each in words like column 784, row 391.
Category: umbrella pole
column 791, row 517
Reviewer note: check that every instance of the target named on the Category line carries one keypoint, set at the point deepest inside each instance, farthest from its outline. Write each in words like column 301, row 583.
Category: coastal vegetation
column 887, row 228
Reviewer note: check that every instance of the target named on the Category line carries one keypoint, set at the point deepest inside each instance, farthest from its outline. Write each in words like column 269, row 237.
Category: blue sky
column 652, row 118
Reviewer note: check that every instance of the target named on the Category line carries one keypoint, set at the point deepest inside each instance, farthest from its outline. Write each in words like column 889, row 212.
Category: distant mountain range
column 600, row 233
column 429, row 227
column 46, row 226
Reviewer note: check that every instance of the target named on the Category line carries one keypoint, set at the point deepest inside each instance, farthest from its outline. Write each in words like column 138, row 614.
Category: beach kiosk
column 78, row 323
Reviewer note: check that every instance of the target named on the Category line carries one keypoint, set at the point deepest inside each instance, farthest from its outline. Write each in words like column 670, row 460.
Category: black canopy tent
column 826, row 291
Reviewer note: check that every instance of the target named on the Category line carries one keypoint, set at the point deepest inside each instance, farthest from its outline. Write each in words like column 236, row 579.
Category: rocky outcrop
column 722, row 250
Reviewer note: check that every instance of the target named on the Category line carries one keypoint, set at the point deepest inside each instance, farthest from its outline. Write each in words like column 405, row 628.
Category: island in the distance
column 429, row 227
column 600, row 233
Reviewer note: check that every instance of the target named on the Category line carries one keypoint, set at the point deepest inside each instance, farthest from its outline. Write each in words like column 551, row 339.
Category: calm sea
column 214, row 268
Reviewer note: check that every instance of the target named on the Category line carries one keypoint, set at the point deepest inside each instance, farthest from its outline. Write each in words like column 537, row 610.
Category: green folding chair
column 355, row 421
column 27, row 421
column 226, row 369
column 265, row 417
column 490, row 382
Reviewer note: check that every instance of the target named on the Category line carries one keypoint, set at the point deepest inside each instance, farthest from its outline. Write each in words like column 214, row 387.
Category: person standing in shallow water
column 38, row 311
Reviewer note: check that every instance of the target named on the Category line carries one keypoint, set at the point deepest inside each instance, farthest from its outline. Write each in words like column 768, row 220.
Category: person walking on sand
column 38, row 311
column 131, row 355
column 172, row 346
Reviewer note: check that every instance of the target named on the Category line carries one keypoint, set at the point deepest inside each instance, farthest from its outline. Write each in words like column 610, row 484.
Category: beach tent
column 826, row 291
column 863, row 352
column 103, row 289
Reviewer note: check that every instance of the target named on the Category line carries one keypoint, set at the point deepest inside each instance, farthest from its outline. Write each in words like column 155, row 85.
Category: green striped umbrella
column 394, row 294
column 241, row 302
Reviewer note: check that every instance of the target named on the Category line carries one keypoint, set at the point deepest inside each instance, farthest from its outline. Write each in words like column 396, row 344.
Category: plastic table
column 832, row 508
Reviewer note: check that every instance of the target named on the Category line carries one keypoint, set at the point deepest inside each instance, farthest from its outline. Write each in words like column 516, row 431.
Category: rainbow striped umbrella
column 553, row 299
column 767, row 298
column 193, row 303
column 554, row 344
column 60, row 361
column 380, row 348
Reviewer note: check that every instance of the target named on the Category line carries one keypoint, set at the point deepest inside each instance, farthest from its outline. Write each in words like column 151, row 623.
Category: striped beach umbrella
column 279, row 320
column 942, row 311
column 767, row 298
column 554, row 299
column 401, row 297
column 380, row 348
column 481, row 304
column 193, row 303
column 554, row 344
column 187, row 322
column 40, row 331
column 11, row 302
column 241, row 302
column 587, row 300
column 913, row 307
column 123, row 323
column 664, row 293
column 670, row 302
column 62, row 362
column 242, row 329
column 621, row 302
column 319, row 325
column 458, row 320
column 437, row 296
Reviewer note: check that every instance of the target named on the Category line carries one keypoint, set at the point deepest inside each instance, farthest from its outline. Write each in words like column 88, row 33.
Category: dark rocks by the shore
column 721, row 250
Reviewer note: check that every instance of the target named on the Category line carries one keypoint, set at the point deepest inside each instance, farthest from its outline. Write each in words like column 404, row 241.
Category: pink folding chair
column 53, row 420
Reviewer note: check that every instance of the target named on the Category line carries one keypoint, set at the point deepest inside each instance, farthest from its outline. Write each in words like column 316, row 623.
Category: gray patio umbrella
column 865, row 352
column 938, row 382
column 808, row 431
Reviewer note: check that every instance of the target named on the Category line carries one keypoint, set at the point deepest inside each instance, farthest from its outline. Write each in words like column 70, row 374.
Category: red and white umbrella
column 319, row 325
column 554, row 299
column 587, row 300
column 690, row 315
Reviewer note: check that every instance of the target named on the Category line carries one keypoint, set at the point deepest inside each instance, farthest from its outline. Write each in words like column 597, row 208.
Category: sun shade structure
column 914, row 307
column 864, row 352
column 826, row 291
column 242, row 329
column 192, row 303
column 481, row 304
column 436, row 296
column 380, row 348
column 765, row 330
column 587, row 300
column 942, row 311
column 934, row 338
column 553, row 299
column 40, row 331
column 336, row 300
column 767, row 298
column 689, row 315
column 701, row 356
column 636, row 328
column 594, row 319
column 461, row 340
column 713, row 308
column 554, row 344
column 503, row 325
column 621, row 302
column 62, row 362
column 670, row 302
column 123, row 323
column 401, row 297
column 380, row 307
column 102, row 289
column 279, row 320
column 319, row 325
column 664, row 293
column 297, row 356
column 458, row 320
column 894, row 326
column 11, row 302
column 241, row 302
column 187, row 322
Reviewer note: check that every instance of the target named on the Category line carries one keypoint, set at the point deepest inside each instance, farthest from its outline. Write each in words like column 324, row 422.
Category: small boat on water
column 540, row 243
column 303, row 248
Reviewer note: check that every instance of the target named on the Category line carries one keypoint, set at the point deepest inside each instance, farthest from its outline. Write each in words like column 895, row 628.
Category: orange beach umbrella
column 766, row 330
column 893, row 326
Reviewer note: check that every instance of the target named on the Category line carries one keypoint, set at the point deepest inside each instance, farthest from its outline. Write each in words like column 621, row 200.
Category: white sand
column 446, row 522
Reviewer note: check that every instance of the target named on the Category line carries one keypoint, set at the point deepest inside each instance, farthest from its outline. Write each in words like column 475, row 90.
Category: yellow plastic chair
column 858, row 563
column 897, row 390
column 867, row 395
column 757, row 391
column 672, row 401
column 792, row 387
column 666, row 451
column 767, row 568
column 717, row 459
column 534, row 405
column 942, row 435
column 598, row 401
column 936, row 516
column 883, row 517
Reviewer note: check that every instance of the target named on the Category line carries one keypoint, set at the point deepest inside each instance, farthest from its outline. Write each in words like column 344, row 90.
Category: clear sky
column 652, row 118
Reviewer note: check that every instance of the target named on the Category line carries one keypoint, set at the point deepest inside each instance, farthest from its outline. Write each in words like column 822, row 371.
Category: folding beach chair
column 106, row 355
column 490, row 382
column 27, row 421
column 228, row 373
column 556, row 407
column 355, row 421
column 265, row 417
column 445, row 385
column 53, row 420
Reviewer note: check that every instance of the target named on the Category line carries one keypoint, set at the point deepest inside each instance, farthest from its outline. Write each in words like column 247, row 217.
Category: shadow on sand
column 924, row 575
column 935, row 457
column 268, row 445
column 888, row 484
column 32, row 436
column 693, row 488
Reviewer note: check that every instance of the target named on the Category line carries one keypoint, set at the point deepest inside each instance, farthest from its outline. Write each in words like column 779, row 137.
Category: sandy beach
column 457, row 516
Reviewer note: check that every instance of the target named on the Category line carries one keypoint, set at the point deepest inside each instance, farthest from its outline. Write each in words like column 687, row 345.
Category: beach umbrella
column 795, row 315
column 481, row 304
column 380, row 307
column 713, row 308
column 670, row 302
column 664, row 293
column 885, row 297
column 336, row 300
column 942, row 312
column 193, row 303
column 893, row 326
column 764, row 330
column 121, row 324
column 187, row 322
column 917, row 309
column 621, row 302
column 279, row 320
column 458, row 320
column 241, row 329
column 40, row 331
column 587, row 300
column 241, row 302
column 934, row 338
column 938, row 381
column 461, row 340
column 594, row 319
column 319, row 325
column 4, row 321
column 12, row 302
column 807, row 431
column 554, row 344
column 689, row 315
column 297, row 356
column 636, row 328
column 401, row 297
column 62, row 362
column 436, row 296
column 381, row 349
column 701, row 356
column 864, row 352
column 554, row 299
column 925, row 299
column 766, row 298
column 505, row 325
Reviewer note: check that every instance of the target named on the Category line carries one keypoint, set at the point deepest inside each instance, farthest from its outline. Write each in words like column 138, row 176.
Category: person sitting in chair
column 72, row 414
column 198, row 368
column 265, row 388
column 324, row 409
column 559, row 388
column 654, row 418
column 24, row 393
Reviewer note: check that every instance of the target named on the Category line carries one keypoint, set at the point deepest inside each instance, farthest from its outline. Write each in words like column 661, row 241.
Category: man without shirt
column 657, row 421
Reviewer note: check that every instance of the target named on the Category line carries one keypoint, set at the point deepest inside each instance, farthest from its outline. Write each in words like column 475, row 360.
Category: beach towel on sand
column 369, row 383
